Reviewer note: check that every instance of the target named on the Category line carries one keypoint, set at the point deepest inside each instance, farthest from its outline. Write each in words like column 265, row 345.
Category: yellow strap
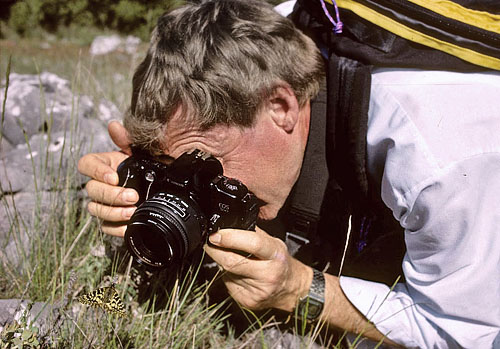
column 484, row 20
column 416, row 36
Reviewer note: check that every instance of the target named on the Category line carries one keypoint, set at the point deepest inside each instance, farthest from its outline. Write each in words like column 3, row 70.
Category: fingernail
column 130, row 196
column 111, row 178
column 215, row 238
column 113, row 120
column 128, row 212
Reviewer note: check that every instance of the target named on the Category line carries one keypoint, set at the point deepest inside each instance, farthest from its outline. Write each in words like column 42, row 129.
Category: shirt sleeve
column 451, row 297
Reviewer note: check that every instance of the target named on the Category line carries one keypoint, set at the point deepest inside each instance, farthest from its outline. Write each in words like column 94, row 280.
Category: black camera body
column 180, row 204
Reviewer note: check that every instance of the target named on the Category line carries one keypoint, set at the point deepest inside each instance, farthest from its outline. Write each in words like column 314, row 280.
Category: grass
column 62, row 250
column 60, row 246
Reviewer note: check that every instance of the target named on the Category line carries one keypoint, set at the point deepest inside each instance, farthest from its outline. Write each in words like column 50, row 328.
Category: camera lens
column 165, row 229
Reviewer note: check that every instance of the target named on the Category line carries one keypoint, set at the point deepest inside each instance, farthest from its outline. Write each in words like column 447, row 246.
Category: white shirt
column 285, row 8
column 433, row 143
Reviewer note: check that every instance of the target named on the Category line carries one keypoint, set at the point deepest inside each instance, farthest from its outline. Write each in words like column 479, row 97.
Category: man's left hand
column 259, row 272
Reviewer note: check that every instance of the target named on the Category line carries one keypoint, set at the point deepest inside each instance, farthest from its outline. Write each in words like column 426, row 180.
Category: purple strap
column 363, row 233
column 337, row 25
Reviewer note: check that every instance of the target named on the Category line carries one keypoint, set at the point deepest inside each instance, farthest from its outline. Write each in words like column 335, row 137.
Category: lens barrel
column 164, row 230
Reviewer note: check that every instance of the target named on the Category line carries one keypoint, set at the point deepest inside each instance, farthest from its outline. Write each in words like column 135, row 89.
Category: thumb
column 119, row 136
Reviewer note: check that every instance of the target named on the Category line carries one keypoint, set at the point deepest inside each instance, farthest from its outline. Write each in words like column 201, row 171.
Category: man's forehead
column 182, row 136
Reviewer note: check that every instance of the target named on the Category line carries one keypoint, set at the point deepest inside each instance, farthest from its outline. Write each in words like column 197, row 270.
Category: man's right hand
column 109, row 202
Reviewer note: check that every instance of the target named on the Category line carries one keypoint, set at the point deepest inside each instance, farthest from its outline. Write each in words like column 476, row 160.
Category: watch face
column 310, row 308
column 314, row 309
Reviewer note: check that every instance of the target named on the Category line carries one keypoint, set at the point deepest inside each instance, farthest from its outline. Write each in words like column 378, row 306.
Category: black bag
column 442, row 35
column 459, row 35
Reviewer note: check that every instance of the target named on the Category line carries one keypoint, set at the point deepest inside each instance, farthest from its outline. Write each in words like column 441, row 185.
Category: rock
column 27, row 215
column 47, row 160
column 16, row 173
column 38, row 104
column 102, row 44
column 46, row 130
column 13, row 309
column 39, row 154
column 131, row 44
column 274, row 338
column 18, row 216
column 94, row 137
column 22, row 112
column 45, row 45
column 5, row 146
column 45, row 316
column 107, row 111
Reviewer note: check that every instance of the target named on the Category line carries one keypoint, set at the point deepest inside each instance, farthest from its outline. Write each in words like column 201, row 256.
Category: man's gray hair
column 217, row 62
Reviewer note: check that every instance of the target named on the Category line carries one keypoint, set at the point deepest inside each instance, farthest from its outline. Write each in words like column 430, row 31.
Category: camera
column 180, row 204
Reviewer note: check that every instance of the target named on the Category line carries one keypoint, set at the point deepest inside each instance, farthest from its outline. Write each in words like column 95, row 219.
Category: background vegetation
column 126, row 16
column 67, row 256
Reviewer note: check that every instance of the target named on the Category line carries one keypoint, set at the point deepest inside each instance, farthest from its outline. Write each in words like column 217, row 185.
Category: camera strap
column 307, row 195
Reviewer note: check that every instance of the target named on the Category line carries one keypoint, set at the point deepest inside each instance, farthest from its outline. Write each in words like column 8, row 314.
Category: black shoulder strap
column 307, row 195
column 335, row 155
column 349, row 84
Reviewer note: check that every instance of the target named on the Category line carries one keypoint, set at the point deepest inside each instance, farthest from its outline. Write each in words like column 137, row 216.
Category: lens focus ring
column 164, row 229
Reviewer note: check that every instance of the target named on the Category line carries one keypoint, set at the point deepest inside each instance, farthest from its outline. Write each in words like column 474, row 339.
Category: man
column 235, row 79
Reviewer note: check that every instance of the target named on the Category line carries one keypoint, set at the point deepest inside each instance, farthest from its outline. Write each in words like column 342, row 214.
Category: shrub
column 126, row 16
column 20, row 15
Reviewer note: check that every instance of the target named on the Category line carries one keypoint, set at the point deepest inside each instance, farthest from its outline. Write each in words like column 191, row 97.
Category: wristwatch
column 311, row 306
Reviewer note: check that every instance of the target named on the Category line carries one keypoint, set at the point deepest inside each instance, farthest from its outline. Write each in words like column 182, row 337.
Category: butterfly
column 106, row 298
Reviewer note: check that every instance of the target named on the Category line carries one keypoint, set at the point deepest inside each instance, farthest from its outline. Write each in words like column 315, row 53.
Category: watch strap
column 311, row 306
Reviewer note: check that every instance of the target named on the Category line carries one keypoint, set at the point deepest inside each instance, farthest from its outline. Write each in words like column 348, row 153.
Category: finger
column 111, row 213
column 258, row 243
column 119, row 136
column 245, row 294
column 101, row 166
column 106, row 194
column 113, row 228
column 231, row 261
column 243, row 266
column 98, row 167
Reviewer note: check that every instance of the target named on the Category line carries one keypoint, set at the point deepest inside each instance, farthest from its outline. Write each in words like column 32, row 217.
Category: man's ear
column 284, row 108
